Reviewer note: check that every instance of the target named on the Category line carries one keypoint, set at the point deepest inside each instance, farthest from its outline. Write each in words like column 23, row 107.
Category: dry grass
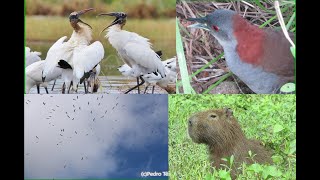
column 200, row 47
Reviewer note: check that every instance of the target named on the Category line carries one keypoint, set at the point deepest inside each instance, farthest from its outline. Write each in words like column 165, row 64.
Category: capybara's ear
column 228, row 112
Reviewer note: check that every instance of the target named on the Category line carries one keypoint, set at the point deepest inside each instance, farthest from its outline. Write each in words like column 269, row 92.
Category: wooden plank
column 109, row 85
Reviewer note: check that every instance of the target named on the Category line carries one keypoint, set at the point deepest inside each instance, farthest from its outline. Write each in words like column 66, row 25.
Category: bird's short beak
column 201, row 23
column 119, row 17
column 83, row 12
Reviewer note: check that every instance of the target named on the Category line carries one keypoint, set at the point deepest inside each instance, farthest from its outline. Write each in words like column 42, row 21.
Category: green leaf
column 187, row 88
column 293, row 51
column 209, row 177
column 292, row 147
column 271, row 171
column 277, row 159
column 257, row 168
column 225, row 175
column 288, row 88
column 277, row 128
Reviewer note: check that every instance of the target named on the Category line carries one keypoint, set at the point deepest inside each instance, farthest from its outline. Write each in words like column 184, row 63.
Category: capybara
column 221, row 132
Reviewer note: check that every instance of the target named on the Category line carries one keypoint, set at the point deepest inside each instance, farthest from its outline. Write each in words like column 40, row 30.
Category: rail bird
column 76, row 57
column 133, row 49
column 34, row 76
column 261, row 58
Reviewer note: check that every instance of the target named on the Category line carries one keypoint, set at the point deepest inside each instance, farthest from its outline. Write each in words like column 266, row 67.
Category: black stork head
column 121, row 18
column 74, row 18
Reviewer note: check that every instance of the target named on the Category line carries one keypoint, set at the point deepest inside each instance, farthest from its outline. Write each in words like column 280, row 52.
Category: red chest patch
column 250, row 40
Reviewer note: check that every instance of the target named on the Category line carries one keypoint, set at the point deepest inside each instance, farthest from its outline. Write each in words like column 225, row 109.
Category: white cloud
column 59, row 147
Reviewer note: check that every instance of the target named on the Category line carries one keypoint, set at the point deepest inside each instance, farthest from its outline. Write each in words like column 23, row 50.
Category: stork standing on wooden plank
column 76, row 57
column 133, row 49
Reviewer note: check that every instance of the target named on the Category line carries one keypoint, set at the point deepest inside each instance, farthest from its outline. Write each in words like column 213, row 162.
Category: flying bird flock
column 76, row 61
column 70, row 122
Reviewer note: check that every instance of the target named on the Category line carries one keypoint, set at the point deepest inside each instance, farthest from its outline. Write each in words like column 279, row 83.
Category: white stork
column 133, row 49
column 153, row 79
column 76, row 57
column 34, row 76
column 31, row 57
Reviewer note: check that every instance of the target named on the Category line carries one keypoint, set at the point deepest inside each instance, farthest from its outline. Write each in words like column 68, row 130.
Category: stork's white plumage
column 34, row 75
column 125, row 70
column 133, row 49
column 151, row 78
column 75, row 56
column 55, row 53
column 31, row 57
column 171, row 64
column 85, row 58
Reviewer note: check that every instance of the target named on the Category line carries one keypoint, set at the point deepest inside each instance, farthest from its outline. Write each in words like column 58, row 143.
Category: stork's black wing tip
column 64, row 64
column 159, row 53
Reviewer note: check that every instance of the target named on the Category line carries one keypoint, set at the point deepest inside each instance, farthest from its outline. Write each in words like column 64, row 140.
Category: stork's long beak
column 83, row 12
column 201, row 23
column 119, row 17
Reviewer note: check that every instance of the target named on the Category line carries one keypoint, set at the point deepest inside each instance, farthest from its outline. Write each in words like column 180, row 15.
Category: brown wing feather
column 277, row 56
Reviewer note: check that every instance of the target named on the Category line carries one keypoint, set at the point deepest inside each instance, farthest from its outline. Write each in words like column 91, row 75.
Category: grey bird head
column 74, row 17
column 218, row 23
column 121, row 18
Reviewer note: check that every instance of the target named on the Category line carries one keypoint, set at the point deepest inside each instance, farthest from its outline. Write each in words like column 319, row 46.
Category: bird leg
column 138, row 86
column 71, row 83
column 145, row 90
column 63, row 88
column 46, row 90
column 152, row 89
column 54, row 83
column 142, row 81
column 38, row 88
column 85, row 89
column 77, row 88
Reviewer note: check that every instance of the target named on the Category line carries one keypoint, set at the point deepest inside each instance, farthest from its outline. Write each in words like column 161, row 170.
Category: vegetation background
column 269, row 118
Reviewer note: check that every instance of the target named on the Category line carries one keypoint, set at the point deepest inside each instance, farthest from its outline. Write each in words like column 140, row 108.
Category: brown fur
column 222, row 133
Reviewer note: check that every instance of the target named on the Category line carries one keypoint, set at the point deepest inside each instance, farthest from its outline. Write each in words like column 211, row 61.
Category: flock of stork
column 76, row 61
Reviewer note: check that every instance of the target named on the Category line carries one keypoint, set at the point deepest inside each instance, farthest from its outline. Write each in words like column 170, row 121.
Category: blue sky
column 95, row 136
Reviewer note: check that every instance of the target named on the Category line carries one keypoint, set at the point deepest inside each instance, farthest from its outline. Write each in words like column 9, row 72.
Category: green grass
column 182, row 64
column 42, row 32
column 269, row 118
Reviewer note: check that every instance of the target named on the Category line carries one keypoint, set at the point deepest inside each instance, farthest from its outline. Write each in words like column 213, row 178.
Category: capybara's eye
column 213, row 116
